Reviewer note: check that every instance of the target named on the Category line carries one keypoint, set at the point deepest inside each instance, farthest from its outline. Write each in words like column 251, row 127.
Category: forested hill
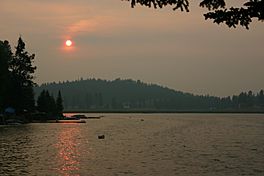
column 97, row 94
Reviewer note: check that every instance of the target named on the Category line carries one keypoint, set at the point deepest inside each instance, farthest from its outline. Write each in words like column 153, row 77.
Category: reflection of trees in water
column 68, row 150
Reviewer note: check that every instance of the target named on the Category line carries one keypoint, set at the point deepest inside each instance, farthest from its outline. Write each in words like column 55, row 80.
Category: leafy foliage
column 218, row 11
column 179, row 4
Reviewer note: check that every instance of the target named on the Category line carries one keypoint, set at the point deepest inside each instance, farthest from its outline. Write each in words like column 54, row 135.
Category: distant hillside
column 97, row 94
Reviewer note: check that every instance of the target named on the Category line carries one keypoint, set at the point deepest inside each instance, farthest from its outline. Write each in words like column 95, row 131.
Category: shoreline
column 163, row 111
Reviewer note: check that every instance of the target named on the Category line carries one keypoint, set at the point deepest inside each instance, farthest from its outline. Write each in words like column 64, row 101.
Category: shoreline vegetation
column 165, row 111
column 17, row 100
column 127, row 95
column 18, row 104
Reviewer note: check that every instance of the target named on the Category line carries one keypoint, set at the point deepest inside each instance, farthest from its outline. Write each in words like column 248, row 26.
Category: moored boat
column 67, row 121
column 81, row 116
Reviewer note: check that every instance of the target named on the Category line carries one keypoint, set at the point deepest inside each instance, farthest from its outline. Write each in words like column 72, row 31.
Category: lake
column 137, row 144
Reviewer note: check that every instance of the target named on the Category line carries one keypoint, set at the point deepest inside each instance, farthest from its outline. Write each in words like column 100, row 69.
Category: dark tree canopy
column 59, row 103
column 46, row 103
column 16, row 77
column 5, row 58
column 22, row 70
column 22, row 64
column 97, row 94
column 218, row 12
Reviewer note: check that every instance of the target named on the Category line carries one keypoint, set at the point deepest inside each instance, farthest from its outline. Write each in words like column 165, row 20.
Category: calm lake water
column 137, row 144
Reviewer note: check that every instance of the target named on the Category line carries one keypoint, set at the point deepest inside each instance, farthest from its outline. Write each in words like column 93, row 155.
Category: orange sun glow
column 68, row 43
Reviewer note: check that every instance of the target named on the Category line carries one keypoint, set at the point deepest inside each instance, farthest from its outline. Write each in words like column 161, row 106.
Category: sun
column 68, row 43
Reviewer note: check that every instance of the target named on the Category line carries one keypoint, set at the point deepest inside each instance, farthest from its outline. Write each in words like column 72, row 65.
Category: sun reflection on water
column 68, row 150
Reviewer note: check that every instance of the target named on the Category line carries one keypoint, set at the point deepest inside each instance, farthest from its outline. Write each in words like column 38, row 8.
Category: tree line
column 97, row 94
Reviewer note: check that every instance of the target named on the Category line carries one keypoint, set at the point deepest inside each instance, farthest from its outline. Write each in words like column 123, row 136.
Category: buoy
column 101, row 136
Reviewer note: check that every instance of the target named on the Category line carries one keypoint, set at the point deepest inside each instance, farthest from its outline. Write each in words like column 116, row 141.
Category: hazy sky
column 111, row 40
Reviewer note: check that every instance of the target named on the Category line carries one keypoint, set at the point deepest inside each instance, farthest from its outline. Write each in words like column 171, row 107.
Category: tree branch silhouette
column 218, row 12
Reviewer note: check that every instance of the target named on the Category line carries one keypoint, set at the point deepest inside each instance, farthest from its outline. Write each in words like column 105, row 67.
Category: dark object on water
column 66, row 121
column 81, row 116
column 77, row 116
column 101, row 136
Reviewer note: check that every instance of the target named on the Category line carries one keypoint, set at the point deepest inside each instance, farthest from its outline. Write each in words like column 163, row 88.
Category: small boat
column 77, row 116
column 81, row 116
column 67, row 121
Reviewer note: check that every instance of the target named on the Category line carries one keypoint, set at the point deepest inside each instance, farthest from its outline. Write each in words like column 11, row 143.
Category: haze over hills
column 118, row 94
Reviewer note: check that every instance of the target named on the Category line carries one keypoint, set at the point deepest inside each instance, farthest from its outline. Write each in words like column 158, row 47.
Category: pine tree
column 5, row 57
column 46, row 103
column 261, row 98
column 41, row 102
column 22, row 72
column 59, row 104
column 52, row 106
